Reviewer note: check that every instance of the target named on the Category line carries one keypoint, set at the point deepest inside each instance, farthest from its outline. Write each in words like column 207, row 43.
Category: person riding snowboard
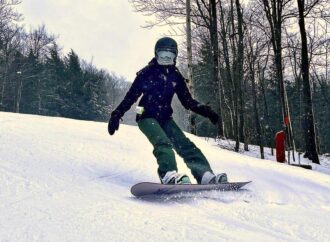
column 158, row 82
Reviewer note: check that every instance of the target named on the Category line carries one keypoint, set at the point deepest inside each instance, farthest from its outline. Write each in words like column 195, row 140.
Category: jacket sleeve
column 131, row 96
column 184, row 95
column 189, row 103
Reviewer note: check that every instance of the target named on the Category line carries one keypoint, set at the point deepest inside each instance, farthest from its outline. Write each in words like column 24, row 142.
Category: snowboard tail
column 153, row 189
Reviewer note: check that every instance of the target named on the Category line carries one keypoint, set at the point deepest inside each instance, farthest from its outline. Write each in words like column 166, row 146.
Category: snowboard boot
column 172, row 177
column 210, row 178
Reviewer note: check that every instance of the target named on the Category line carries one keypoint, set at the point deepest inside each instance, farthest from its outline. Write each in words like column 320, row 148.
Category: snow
column 68, row 180
column 254, row 151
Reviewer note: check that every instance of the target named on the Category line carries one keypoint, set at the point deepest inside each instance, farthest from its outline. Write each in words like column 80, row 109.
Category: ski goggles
column 165, row 57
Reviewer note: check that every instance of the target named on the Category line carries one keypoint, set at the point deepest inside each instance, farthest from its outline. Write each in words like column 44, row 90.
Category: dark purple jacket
column 157, row 84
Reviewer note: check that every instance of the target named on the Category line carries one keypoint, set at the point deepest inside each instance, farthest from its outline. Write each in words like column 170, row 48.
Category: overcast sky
column 107, row 31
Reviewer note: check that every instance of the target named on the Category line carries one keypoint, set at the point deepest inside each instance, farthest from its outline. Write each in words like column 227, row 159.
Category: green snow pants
column 168, row 136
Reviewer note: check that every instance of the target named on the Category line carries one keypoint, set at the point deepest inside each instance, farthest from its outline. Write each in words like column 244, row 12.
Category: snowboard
column 153, row 189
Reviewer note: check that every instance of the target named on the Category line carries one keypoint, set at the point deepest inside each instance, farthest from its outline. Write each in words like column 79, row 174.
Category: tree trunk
column 269, row 129
column 274, row 16
column 228, row 76
column 256, row 111
column 239, row 71
column 192, row 117
column 310, row 141
column 215, row 55
column 234, row 83
column 19, row 93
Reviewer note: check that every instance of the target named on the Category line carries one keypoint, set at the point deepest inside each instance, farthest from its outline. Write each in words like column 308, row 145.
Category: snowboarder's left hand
column 113, row 124
column 206, row 111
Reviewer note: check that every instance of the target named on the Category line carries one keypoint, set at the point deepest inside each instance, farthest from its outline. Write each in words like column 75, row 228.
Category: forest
column 36, row 77
column 261, row 64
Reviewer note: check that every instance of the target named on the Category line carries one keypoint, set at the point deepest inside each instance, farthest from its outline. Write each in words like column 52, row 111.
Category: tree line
column 37, row 78
column 262, row 64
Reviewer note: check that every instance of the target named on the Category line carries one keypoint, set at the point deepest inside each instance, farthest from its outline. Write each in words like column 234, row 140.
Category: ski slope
column 68, row 180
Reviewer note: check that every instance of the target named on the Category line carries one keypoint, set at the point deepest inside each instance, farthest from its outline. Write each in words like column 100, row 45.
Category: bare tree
column 228, row 76
column 255, row 47
column 39, row 42
column 215, row 54
column 9, row 39
column 310, row 141
column 274, row 10
column 232, row 39
column 238, row 69
column 192, row 116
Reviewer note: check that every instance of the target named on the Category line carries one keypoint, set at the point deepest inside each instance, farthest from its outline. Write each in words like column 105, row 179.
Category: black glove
column 207, row 112
column 113, row 124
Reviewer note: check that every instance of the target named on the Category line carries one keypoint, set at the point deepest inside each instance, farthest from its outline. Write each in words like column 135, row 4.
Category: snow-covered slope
column 68, row 180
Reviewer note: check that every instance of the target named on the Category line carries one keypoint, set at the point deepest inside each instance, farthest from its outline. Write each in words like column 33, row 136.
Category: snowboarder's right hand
column 113, row 124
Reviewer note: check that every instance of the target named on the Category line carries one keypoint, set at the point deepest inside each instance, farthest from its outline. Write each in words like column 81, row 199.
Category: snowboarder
column 158, row 82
